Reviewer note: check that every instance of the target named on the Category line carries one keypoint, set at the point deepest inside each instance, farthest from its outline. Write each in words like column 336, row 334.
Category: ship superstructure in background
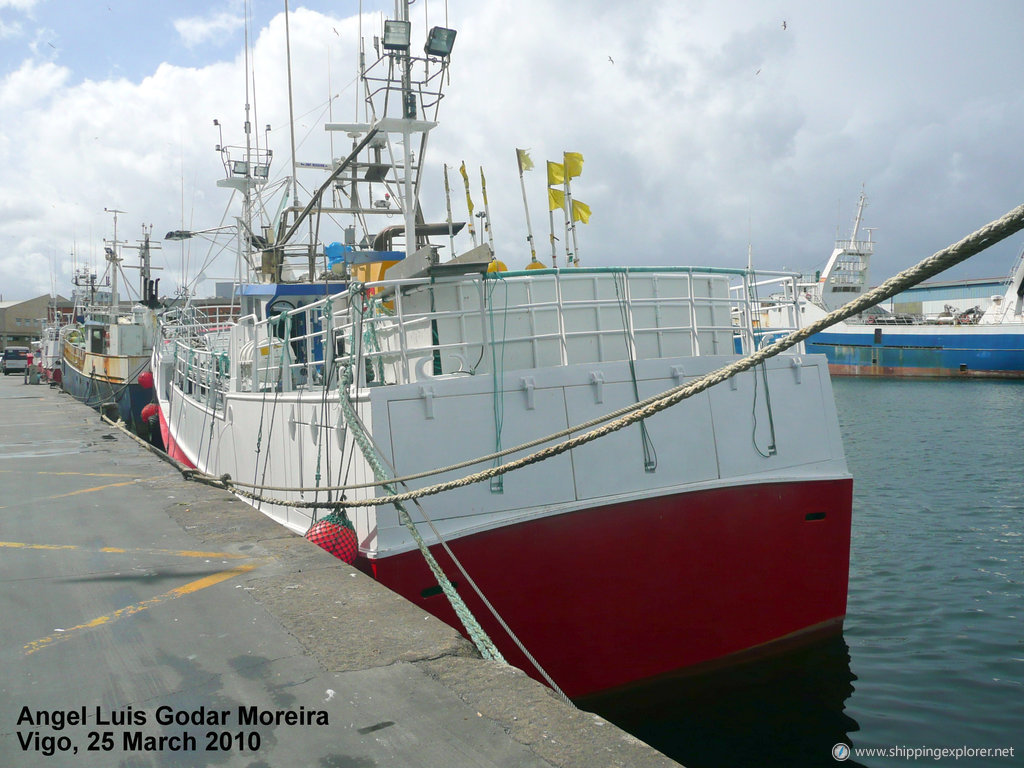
column 107, row 349
column 710, row 530
column 956, row 343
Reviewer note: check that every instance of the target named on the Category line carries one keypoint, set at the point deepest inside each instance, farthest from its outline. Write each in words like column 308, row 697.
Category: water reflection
column 784, row 711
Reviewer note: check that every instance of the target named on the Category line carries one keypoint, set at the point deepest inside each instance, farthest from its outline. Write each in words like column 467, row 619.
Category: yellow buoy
column 497, row 265
column 536, row 265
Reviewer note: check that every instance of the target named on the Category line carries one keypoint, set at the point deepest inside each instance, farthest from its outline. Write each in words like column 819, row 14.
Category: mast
column 860, row 212
column 144, row 264
column 291, row 109
column 147, row 287
column 408, row 115
column 114, row 261
column 380, row 177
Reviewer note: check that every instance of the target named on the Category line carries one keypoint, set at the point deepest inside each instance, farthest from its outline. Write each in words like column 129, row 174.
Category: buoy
column 335, row 534
column 146, row 380
column 149, row 411
column 497, row 265
column 536, row 265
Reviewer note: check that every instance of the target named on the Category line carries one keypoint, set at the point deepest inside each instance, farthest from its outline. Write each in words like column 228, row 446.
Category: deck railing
column 402, row 331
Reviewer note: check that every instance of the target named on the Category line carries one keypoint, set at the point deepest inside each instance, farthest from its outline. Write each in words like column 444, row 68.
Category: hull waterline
column 882, row 351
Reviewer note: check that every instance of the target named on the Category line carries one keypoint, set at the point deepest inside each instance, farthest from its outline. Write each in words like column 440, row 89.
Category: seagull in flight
column 783, row 23
column 611, row 59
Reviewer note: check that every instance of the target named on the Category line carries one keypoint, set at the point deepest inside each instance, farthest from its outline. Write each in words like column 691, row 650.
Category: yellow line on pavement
column 75, row 493
column 131, row 610
column 46, row 425
column 89, row 490
column 122, row 551
column 80, row 474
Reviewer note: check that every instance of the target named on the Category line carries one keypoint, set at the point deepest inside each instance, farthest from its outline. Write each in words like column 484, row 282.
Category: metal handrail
column 391, row 329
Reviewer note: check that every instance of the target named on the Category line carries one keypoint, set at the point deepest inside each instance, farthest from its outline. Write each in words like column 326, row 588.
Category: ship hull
column 715, row 528
column 171, row 447
column 923, row 351
column 738, row 570
column 609, row 574
column 98, row 391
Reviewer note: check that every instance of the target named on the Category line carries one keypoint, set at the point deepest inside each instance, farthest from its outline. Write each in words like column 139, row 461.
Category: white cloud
column 9, row 29
column 711, row 126
column 31, row 84
column 197, row 30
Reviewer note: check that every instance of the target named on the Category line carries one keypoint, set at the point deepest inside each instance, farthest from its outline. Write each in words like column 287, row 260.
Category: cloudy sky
column 704, row 126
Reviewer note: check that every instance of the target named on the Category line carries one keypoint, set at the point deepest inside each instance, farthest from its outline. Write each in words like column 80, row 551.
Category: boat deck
column 131, row 597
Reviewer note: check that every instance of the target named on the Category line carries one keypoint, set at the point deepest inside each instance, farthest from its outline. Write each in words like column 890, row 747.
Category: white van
column 15, row 360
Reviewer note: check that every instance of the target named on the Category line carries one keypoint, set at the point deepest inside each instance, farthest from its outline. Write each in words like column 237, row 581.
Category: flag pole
column 520, row 153
column 469, row 202
column 448, row 205
column 570, row 229
column 570, row 218
column 570, row 224
column 487, row 212
column 556, row 175
column 554, row 252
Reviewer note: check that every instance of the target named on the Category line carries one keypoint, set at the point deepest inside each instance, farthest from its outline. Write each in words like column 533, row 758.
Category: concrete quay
column 150, row 621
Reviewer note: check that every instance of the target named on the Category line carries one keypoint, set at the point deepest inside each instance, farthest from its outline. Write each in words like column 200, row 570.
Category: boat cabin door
column 96, row 340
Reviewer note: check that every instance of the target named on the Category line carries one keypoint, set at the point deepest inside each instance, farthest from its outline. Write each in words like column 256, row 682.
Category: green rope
column 498, row 376
column 371, row 340
column 476, row 633
column 650, row 454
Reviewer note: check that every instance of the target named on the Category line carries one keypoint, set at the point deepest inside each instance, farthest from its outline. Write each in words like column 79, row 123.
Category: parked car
column 15, row 360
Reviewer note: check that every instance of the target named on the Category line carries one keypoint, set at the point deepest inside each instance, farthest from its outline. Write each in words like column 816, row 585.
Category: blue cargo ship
column 987, row 343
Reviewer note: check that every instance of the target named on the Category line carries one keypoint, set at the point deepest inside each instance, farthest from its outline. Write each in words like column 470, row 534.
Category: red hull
column 617, row 595
column 170, row 447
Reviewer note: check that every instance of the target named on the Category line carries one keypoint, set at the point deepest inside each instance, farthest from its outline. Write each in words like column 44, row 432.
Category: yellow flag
column 556, row 198
column 580, row 212
column 525, row 163
column 556, row 174
column 465, row 177
column 573, row 164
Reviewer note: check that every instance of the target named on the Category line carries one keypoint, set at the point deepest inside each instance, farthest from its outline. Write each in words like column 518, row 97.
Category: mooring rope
column 476, row 633
column 974, row 243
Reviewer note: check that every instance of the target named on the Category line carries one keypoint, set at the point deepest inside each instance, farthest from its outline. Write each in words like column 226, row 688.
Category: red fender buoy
column 335, row 534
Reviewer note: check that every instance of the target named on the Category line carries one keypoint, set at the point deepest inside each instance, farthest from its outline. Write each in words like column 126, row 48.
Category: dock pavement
column 146, row 620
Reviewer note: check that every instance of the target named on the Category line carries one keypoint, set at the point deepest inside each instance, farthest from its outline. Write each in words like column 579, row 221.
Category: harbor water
column 932, row 653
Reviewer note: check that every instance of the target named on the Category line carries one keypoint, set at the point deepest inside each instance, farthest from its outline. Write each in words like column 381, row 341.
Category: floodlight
column 439, row 42
column 240, row 167
column 396, row 35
